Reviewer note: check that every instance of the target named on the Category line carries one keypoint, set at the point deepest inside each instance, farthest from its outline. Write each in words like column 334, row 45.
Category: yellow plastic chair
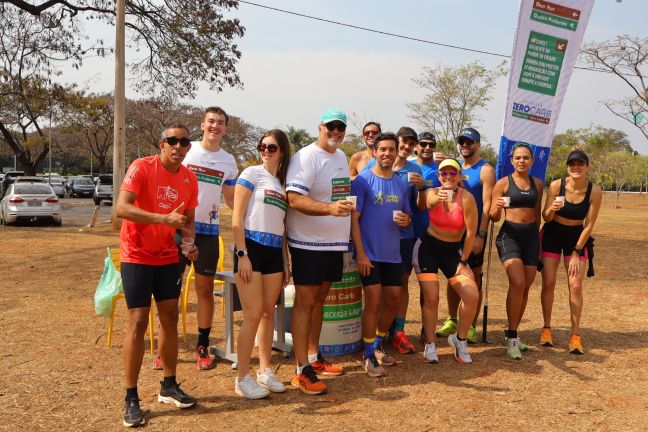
column 114, row 255
column 191, row 277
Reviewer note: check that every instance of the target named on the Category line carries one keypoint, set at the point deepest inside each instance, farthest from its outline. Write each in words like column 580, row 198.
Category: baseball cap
column 427, row 136
column 470, row 133
column 578, row 155
column 333, row 114
column 449, row 163
column 406, row 132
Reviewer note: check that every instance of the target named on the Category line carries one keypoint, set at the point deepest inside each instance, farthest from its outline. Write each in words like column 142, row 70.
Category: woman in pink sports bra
column 452, row 211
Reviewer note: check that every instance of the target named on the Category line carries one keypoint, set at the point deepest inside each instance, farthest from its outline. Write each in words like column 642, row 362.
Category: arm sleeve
column 248, row 178
column 301, row 174
column 358, row 188
column 134, row 178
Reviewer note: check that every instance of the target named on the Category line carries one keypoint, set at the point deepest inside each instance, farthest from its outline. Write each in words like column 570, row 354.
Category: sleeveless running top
column 522, row 198
column 472, row 182
column 448, row 220
column 574, row 211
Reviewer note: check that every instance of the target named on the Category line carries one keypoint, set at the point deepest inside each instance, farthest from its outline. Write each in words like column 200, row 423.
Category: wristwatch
column 579, row 251
column 463, row 261
column 482, row 234
column 241, row 253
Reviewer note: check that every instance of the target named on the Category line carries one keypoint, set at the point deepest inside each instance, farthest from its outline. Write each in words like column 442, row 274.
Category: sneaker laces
column 202, row 352
column 309, row 374
column 321, row 359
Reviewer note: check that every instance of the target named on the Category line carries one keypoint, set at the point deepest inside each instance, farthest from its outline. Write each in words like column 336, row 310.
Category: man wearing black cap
column 479, row 178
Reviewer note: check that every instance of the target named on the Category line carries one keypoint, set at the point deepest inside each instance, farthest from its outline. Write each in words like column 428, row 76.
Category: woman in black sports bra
column 569, row 221
column 518, row 244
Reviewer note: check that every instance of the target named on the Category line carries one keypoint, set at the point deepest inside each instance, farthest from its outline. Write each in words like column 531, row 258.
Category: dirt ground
column 60, row 375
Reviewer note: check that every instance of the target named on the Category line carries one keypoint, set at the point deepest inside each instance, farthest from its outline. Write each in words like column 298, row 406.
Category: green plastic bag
column 109, row 286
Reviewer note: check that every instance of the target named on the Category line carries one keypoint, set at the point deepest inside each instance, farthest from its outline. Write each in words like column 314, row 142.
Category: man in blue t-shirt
column 382, row 209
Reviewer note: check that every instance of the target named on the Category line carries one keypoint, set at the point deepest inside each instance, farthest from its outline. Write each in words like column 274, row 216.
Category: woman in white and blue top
column 260, row 263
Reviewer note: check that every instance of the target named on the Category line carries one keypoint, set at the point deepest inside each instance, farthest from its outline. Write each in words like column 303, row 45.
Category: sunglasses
column 172, row 141
column 448, row 173
column 332, row 126
column 272, row 148
column 465, row 143
column 369, row 133
column 424, row 144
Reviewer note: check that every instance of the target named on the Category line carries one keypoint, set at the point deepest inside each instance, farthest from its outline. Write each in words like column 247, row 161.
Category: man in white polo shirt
column 318, row 225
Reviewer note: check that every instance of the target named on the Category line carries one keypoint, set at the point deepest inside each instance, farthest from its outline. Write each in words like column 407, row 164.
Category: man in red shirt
column 158, row 197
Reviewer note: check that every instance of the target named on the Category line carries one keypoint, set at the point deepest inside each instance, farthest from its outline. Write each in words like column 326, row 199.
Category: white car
column 26, row 201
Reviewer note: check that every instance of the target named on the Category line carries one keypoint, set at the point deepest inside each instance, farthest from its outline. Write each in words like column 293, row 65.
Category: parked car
column 104, row 189
column 80, row 187
column 29, row 179
column 57, row 186
column 9, row 178
column 30, row 201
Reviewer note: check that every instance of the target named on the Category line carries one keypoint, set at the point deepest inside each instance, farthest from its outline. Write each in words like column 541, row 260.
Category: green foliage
column 298, row 138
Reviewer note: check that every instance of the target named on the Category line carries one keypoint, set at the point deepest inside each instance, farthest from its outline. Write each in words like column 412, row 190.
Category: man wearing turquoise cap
column 318, row 224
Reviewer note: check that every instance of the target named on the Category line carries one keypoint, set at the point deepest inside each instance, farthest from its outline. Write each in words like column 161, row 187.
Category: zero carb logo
column 531, row 111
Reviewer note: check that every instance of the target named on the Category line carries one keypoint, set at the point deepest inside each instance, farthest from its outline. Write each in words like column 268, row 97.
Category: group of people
column 293, row 217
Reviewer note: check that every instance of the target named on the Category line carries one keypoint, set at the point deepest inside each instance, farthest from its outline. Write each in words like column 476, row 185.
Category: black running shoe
column 175, row 395
column 133, row 415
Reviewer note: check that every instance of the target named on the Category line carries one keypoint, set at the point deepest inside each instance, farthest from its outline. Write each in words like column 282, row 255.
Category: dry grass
column 59, row 375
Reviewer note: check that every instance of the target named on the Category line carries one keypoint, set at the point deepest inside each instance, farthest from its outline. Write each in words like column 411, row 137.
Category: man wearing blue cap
column 318, row 225
column 479, row 178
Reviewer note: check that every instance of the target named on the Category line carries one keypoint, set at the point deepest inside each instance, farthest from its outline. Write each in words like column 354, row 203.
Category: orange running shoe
column 575, row 345
column 157, row 363
column 308, row 382
column 322, row 367
column 203, row 360
column 545, row 337
column 401, row 342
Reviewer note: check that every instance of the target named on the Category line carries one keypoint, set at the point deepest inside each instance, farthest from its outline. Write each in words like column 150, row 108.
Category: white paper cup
column 395, row 214
column 354, row 200
column 507, row 201
column 436, row 155
column 561, row 200
column 187, row 245
column 449, row 193
column 409, row 177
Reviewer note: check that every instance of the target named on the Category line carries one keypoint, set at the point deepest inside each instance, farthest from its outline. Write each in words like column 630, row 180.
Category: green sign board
column 542, row 63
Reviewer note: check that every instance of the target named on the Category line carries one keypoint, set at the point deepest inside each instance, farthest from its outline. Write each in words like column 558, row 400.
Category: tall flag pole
column 547, row 41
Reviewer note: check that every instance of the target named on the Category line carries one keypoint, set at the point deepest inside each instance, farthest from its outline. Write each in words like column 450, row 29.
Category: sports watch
column 482, row 234
column 241, row 253
column 579, row 251
column 463, row 261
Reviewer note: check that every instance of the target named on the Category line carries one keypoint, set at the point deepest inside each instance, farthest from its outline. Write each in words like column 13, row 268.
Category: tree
column 627, row 58
column 93, row 115
column 298, row 138
column 241, row 140
column 182, row 42
column 453, row 97
column 28, row 47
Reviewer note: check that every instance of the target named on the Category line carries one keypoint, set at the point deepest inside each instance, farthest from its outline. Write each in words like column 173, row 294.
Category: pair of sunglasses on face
column 272, row 148
column 173, row 141
column 448, row 173
column 331, row 126
column 368, row 133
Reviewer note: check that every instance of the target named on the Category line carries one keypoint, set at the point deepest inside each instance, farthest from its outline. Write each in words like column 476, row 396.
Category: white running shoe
column 270, row 381
column 430, row 353
column 249, row 388
column 513, row 349
column 373, row 368
column 460, row 349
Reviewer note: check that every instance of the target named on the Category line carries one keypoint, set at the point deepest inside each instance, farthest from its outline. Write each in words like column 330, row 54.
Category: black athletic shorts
column 264, row 259
column 385, row 274
column 140, row 281
column 406, row 251
column 432, row 254
column 516, row 240
column 557, row 239
column 208, row 253
column 476, row 260
column 311, row 267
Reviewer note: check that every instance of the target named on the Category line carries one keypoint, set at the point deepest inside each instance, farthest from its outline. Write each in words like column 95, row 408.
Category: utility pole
column 119, row 143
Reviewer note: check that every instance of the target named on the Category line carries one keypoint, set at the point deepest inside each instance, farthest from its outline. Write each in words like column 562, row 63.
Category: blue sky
column 293, row 67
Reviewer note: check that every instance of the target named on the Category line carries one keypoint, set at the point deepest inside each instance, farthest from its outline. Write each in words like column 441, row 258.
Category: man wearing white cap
column 318, row 225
